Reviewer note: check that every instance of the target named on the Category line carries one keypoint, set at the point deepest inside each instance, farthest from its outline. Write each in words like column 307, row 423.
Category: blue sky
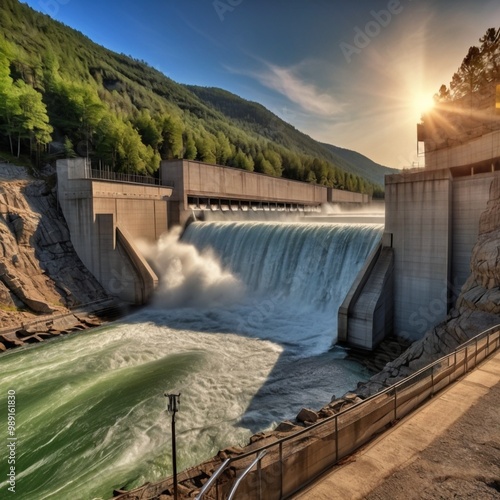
column 350, row 74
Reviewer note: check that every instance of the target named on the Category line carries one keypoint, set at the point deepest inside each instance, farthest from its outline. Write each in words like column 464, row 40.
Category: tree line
column 479, row 69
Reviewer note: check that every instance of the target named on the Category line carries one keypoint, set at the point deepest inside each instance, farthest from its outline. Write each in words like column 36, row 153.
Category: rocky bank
column 42, row 280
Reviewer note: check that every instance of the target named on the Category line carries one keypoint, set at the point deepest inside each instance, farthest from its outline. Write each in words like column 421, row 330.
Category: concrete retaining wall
column 365, row 317
column 418, row 214
column 94, row 209
column 470, row 197
column 192, row 178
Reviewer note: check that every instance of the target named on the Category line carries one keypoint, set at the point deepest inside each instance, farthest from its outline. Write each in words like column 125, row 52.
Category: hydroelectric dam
column 241, row 316
column 108, row 214
column 242, row 322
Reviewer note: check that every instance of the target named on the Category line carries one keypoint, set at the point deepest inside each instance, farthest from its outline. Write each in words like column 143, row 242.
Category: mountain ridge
column 125, row 113
column 348, row 159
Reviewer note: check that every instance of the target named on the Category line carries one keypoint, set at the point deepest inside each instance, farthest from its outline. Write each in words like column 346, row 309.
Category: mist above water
column 188, row 277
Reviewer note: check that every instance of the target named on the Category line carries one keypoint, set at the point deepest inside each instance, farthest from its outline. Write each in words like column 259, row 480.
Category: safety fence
column 295, row 461
column 109, row 175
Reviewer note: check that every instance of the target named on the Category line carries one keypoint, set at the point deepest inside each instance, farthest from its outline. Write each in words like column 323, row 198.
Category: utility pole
column 173, row 408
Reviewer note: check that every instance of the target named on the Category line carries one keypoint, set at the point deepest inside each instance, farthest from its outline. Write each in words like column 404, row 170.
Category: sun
column 423, row 103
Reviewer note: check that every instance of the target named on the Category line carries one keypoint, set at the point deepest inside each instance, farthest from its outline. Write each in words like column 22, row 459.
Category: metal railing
column 257, row 461
column 109, row 175
column 295, row 461
column 212, row 479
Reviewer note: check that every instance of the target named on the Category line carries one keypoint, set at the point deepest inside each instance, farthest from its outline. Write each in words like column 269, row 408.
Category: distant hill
column 58, row 87
column 361, row 165
column 258, row 119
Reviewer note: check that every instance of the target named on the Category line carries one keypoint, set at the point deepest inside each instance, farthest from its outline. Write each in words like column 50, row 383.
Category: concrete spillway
column 300, row 263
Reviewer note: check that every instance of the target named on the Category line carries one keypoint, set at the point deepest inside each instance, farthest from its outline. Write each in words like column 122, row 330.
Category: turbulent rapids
column 243, row 326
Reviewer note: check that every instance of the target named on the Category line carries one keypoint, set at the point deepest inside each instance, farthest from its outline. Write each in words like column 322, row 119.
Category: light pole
column 173, row 408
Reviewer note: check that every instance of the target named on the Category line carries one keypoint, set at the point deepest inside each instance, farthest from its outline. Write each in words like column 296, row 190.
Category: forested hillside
column 63, row 95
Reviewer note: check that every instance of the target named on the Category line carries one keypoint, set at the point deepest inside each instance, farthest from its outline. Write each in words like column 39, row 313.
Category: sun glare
column 423, row 103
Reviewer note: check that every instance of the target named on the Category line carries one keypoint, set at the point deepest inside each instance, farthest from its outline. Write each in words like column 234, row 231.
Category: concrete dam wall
column 431, row 226
column 199, row 186
column 105, row 217
column 432, row 217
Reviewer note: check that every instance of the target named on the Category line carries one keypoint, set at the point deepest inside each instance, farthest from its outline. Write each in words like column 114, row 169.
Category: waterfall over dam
column 303, row 267
column 242, row 325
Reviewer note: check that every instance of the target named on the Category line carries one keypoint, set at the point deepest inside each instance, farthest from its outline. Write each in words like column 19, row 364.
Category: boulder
column 306, row 415
column 287, row 426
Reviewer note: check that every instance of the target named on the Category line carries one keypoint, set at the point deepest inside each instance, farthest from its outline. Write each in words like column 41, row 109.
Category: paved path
column 448, row 448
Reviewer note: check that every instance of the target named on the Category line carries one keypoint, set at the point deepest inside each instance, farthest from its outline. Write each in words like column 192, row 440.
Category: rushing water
column 247, row 341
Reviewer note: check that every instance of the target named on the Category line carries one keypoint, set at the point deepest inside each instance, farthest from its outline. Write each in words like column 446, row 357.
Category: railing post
column 281, row 468
column 336, row 438
column 395, row 402
column 475, row 354
column 259, row 475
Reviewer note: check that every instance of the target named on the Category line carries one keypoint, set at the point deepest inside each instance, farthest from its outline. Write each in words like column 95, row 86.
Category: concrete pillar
column 418, row 214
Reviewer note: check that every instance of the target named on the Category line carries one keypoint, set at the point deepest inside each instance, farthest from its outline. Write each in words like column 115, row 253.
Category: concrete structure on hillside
column 105, row 218
column 463, row 134
column 433, row 215
column 202, row 186
column 433, row 218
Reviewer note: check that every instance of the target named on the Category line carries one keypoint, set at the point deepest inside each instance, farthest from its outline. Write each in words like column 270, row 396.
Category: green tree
column 241, row 160
column 121, row 147
column 222, row 149
column 75, row 110
column 171, row 131
column 468, row 77
column 443, row 95
column 149, row 129
column 206, row 149
column 311, row 177
column 190, row 150
column 275, row 161
column 32, row 122
column 263, row 166
column 490, row 50
column 9, row 103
